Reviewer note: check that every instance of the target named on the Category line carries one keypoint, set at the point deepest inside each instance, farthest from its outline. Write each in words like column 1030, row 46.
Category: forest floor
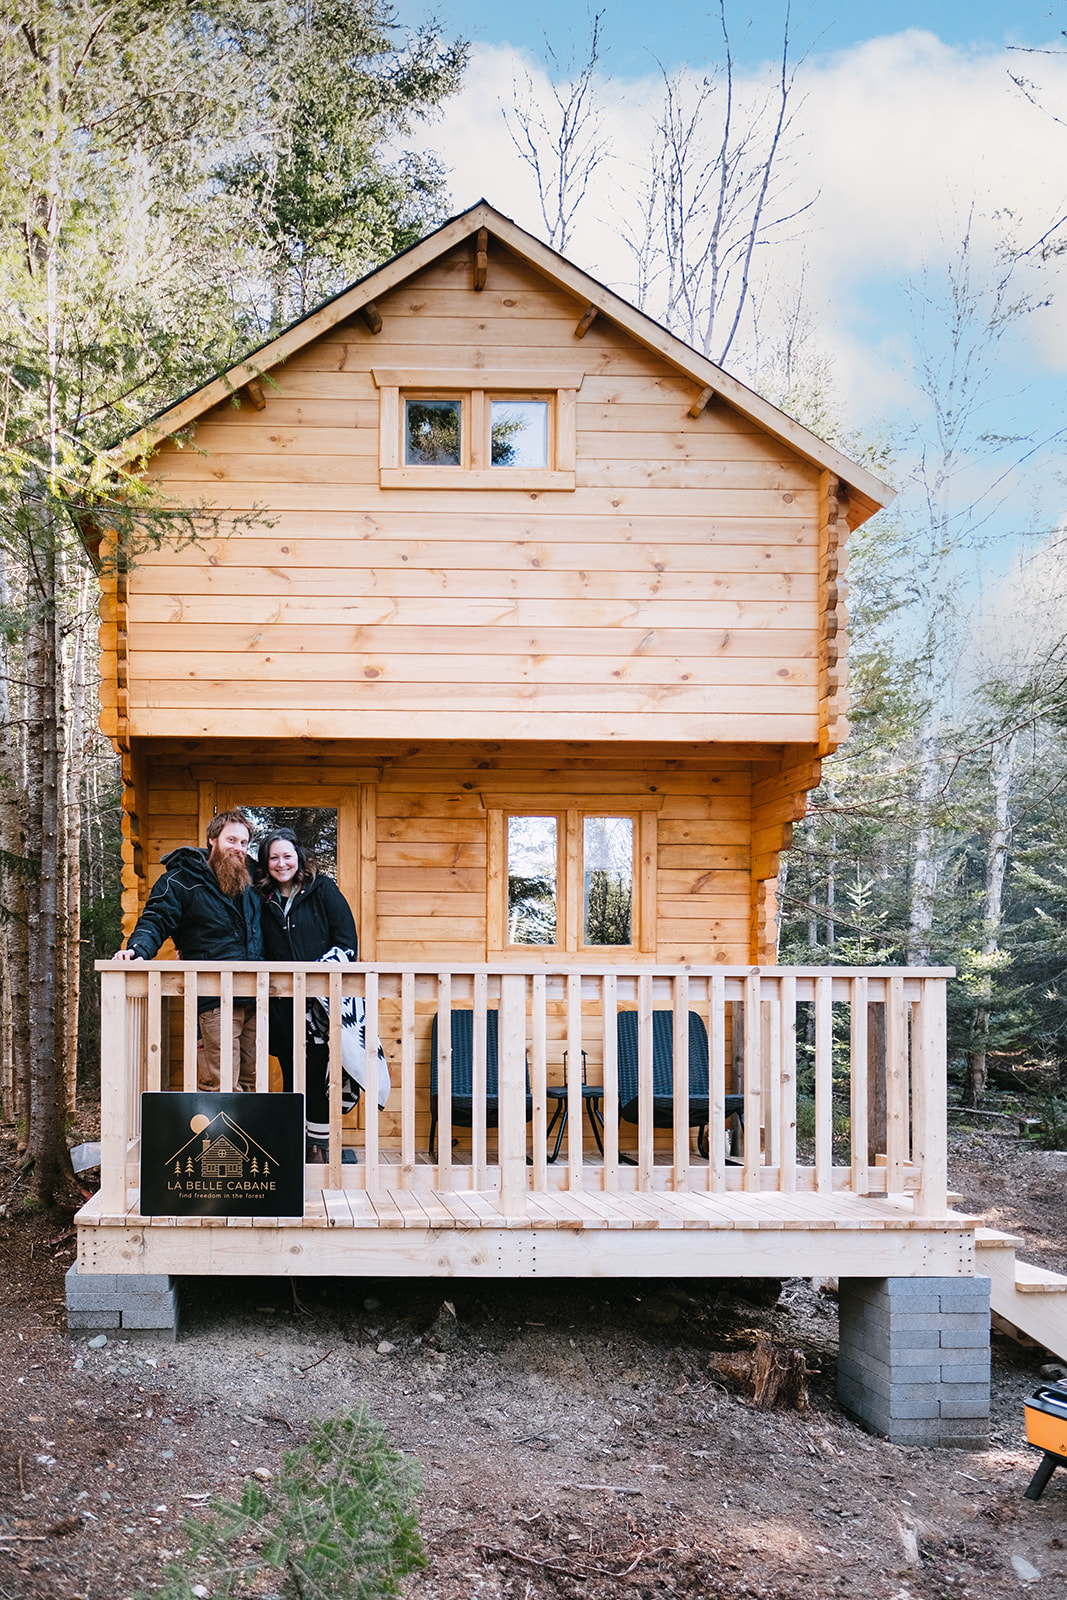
column 571, row 1438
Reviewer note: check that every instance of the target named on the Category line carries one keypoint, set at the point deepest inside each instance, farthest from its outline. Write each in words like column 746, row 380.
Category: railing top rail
column 510, row 967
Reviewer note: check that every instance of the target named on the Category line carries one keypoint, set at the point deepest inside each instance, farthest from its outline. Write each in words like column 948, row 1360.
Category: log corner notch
column 253, row 392
column 481, row 259
column 833, row 616
column 779, row 799
column 133, row 881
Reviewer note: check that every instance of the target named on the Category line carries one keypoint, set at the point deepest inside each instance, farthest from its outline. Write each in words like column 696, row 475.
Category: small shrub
column 338, row 1522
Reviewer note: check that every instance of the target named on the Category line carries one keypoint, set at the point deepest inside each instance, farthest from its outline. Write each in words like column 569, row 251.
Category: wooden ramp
column 437, row 1233
column 1030, row 1298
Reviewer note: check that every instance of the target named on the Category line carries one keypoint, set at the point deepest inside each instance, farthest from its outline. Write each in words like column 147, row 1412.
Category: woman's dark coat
column 319, row 918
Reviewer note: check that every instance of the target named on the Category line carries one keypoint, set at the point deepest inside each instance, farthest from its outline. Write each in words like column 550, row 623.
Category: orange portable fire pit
column 1046, row 1427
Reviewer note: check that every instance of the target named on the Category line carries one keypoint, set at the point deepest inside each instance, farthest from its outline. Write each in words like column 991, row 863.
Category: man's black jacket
column 188, row 906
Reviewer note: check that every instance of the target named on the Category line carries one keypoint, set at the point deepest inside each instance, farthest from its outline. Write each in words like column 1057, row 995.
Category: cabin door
column 327, row 818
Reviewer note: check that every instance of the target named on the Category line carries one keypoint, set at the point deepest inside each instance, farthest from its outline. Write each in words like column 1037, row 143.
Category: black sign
column 222, row 1155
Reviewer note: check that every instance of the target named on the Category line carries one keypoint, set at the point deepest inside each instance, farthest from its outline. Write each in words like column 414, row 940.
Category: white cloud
column 900, row 138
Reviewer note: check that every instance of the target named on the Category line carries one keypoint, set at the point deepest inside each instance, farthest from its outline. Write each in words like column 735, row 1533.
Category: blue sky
column 677, row 33
column 909, row 135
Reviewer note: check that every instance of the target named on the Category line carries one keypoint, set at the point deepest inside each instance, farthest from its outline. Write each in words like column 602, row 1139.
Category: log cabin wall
column 669, row 591
column 415, row 825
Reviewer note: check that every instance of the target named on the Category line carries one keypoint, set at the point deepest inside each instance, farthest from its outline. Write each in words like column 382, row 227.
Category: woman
column 304, row 915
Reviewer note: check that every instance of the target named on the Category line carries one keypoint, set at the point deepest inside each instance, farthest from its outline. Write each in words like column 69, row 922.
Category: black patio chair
column 463, row 1073
column 663, row 1075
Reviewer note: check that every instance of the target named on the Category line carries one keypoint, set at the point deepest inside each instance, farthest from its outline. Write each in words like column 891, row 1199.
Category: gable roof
column 869, row 494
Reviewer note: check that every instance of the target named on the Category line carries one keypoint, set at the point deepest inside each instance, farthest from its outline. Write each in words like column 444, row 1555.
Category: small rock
column 99, row 1342
column 1024, row 1570
column 79, row 1363
column 264, row 1474
column 1053, row 1370
column 385, row 1348
column 200, row 1592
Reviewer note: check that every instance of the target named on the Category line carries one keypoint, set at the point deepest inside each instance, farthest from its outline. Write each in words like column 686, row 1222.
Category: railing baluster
column 930, row 1100
column 609, row 991
column 407, row 1079
column 444, row 1080
column 370, row 1094
column 479, row 1158
column 511, row 1133
column 226, row 1073
column 300, row 1033
column 770, row 1056
column 751, row 1177
column 646, row 1132
column 896, row 1079
column 680, row 1002
column 539, row 1079
column 335, row 997
column 155, row 1029
column 717, row 1084
column 858, row 1083
column 189, row 1038
column 113, row 1076
column 262, row 1032
column 824, row 1083
column 574, row 1081
column 787, row 1079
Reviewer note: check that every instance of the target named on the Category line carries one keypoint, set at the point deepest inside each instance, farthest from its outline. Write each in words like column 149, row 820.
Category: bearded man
column 205, row 902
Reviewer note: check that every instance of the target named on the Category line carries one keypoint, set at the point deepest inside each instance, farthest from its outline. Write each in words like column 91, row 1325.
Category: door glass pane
column 608, row 880
column 532, row 858
column 315, row 828
column 519, row 433
column 432, row 433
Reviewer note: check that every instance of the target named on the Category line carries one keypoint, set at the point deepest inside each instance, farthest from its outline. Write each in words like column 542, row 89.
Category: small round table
column 592, row 1096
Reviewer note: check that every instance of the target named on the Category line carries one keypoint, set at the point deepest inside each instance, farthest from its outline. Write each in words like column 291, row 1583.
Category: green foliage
column 338, row 1522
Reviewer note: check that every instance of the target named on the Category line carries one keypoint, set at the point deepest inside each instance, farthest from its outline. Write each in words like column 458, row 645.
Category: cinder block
column 145, row 1301
column 82, row 1321
column 162, row 1312
column 901, row 1410
column 972, row 1375
column 977, row 1409
column 953, row 1337
column 965, row 1391
column 915, row 1339
column 967, row 1302
column 965, row 1434
column 916, row 1294
column 91, row 1291
column 915, row 1391
column 914, row 1321
column 146, row 1282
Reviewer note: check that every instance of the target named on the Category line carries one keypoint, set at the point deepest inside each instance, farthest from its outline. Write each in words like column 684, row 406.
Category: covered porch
column 775, row 1194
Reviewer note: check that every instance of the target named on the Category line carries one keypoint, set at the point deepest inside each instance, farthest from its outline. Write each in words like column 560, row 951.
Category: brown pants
column 208, row 1056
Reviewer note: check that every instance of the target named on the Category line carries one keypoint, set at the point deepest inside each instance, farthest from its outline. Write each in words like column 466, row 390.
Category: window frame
column 476, row 389
column 570, row 826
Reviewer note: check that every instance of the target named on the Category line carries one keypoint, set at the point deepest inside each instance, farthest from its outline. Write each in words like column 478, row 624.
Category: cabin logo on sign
column 221, row 1159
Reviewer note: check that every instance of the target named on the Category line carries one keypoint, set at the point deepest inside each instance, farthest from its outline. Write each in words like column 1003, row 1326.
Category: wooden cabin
column 541, row 605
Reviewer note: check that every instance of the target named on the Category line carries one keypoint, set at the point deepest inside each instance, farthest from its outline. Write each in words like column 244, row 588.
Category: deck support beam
column 913, row 1362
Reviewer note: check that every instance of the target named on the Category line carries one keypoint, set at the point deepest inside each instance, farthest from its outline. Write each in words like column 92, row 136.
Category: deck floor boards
column 390, row 1207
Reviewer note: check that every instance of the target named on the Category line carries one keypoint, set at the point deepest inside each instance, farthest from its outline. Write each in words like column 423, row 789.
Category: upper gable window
column 433, row 433
column 453, row 430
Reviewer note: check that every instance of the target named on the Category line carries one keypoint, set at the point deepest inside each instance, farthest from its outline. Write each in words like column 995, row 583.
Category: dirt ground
column 572, row 1440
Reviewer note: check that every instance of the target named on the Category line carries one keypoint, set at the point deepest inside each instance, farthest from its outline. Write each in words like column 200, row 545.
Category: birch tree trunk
column 1003, row 767
column 925, row 865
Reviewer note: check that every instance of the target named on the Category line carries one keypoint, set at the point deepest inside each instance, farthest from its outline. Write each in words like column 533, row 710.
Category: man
column 205, row 902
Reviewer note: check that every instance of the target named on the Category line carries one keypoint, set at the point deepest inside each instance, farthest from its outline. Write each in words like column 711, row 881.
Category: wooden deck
column 491, row 1203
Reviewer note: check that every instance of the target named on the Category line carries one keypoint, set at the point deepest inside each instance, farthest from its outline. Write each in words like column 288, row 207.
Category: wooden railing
column 861, row 1052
